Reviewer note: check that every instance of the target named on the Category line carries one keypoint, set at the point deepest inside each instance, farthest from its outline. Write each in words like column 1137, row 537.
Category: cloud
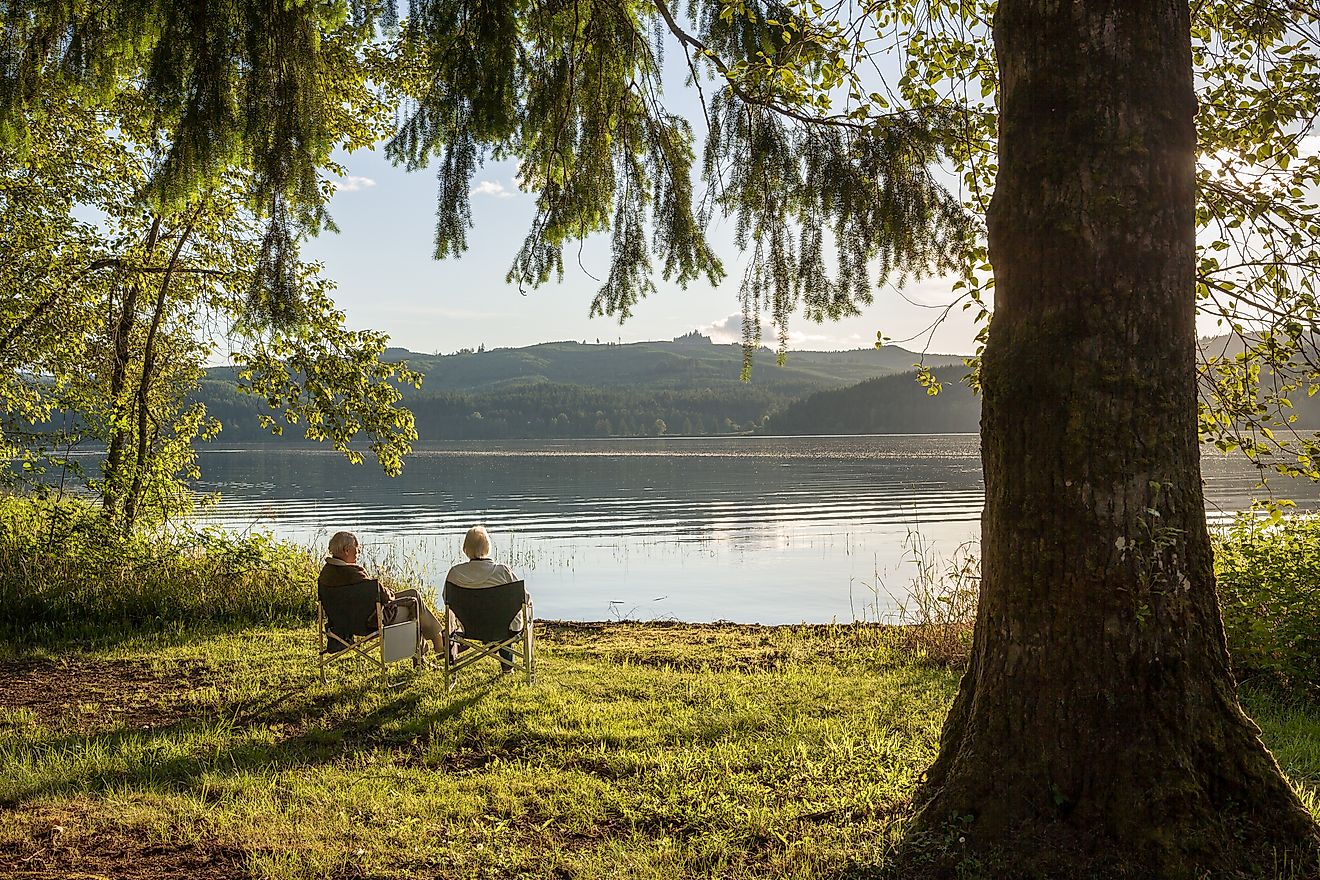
column 730, row 330
column 491, row 188
column 352, row 184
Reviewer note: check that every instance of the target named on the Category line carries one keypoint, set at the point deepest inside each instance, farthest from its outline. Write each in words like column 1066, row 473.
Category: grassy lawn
column 644, row 750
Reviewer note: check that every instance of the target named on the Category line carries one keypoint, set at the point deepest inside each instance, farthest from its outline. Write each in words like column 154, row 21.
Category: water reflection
column 750, row 529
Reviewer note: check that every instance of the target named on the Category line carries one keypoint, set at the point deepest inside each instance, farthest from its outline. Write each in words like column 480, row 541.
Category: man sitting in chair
column 478, row 572
column 341, row 569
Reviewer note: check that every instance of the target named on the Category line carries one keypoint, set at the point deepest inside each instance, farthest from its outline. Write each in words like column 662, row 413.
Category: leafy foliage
column 254, row 86
column 1257, row 66
column 107, row 321
column 1268, row 573
column 332, row 380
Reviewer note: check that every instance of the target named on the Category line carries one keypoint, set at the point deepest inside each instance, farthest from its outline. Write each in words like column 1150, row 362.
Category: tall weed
column 938, row 612
column 62, row 570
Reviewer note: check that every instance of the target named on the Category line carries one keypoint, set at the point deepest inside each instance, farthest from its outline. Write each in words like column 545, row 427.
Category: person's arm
column 383, row 595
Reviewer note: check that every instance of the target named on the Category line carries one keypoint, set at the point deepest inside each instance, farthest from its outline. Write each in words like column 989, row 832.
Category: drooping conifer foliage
column 255, row 86
column 237, row 83
column 571, row 89
column 139, row 238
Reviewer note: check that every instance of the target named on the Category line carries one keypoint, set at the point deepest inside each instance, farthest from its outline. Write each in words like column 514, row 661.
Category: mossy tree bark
column 1098, row 723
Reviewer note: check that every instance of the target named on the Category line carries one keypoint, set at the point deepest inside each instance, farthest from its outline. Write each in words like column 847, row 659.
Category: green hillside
column 656, row 365
column 888, row 405
column 570, row 389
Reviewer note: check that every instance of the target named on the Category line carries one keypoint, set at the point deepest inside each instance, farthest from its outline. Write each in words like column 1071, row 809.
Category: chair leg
column 529, row 649
column 529, row 644
column 322, row 641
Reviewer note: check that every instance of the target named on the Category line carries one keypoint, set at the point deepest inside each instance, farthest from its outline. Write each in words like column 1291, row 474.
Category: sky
column 387, row 279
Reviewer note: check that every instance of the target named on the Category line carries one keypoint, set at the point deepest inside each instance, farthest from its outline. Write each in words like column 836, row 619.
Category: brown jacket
column 338, row 573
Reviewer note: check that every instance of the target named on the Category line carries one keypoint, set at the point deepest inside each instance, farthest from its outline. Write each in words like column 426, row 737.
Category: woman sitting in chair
column 479, row 572
column 341, row 569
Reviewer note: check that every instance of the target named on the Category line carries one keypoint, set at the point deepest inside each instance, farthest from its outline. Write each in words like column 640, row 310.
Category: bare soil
column 121, row 857
column 85, row 694
column 50, row 845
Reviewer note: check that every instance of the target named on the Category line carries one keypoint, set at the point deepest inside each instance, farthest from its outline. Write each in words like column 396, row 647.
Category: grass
column 65, row 574
column 644, row 751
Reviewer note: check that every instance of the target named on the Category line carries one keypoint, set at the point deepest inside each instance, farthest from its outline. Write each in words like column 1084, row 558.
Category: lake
column 749, row 529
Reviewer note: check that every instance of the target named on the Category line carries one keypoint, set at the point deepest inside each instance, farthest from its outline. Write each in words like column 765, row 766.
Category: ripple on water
column 751, row 529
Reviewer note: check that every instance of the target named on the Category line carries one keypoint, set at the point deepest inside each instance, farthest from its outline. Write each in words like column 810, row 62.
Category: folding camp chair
column 485, row 618
column 344, row 623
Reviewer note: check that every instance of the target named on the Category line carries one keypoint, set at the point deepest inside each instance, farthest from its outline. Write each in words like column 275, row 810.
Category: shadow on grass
column 67, row 637
column 313, row 743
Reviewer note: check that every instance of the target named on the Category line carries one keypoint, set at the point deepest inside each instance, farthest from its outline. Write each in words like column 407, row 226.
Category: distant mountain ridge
column 570, row 389
column 670, row 365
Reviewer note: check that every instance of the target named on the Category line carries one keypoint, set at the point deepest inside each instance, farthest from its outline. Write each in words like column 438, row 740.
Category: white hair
column 341, row 541
column 476, row 543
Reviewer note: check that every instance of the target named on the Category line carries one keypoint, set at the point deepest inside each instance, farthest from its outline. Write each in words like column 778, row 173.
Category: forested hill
column 674, row 365
column 888, row 405
column 571, row 389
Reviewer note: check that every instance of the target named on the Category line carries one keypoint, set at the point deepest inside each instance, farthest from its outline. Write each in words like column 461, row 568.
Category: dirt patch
column 120, row 857
column 84, row 694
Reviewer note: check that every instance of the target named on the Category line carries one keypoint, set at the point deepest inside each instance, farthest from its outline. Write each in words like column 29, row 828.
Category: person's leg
column 426, row 620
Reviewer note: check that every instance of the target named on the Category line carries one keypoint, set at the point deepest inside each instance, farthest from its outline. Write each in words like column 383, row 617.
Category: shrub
column 1268, row 573
column 63, row 570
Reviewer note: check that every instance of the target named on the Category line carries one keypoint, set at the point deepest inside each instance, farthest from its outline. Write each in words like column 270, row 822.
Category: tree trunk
column 1097, row 728
column 133, row 497
column 122, row 337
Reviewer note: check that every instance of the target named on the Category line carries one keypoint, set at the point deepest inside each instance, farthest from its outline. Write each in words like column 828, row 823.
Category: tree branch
column 688, row 40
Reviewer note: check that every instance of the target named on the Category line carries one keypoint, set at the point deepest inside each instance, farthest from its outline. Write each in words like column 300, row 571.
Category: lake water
column 749, row 529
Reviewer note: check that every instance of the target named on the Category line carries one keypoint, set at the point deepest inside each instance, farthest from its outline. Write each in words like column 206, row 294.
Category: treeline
column 570, row 389
column 894, row 404
column 655, row 366
column 891, row 404
column 539, row 410
column 888, row 405
column 543, row 410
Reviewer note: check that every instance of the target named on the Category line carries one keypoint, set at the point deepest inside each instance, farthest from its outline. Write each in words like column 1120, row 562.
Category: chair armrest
column 416, row 617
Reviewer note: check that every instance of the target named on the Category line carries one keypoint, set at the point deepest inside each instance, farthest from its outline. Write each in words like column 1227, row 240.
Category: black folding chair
column 348, row 622
column 486, row 617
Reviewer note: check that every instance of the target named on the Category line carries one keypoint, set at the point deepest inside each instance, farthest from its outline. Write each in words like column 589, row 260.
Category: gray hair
column 476, row 542
column 341, row 541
